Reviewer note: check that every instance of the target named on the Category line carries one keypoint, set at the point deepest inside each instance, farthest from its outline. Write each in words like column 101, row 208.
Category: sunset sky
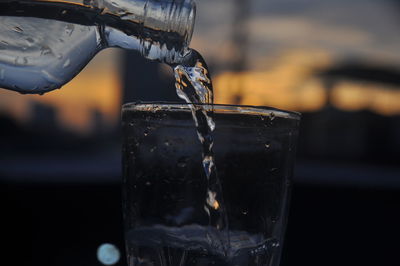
column 98, row 87
column 288, row 43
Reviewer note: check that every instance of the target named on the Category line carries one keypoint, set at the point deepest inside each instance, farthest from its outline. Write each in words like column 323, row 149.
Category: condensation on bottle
column 44, row 44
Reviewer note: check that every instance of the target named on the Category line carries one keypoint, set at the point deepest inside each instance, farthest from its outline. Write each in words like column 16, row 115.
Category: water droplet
column 267, row 145
column 69, row 28
column 64, row 12
column 21, row 61
column 275, row 244
column 45, row 50
column 67, row 63
column 167, row 143
column 245, row 212
column 30, row 41
column 18, row 29
column 272, row 116
column 145, row 133
column 182, row 162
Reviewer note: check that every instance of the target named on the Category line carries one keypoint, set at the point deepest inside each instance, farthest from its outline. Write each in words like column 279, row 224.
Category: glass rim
column 154, row 106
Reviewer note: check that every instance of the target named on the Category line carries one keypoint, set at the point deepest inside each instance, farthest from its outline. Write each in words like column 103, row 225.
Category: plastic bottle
column 44, row 44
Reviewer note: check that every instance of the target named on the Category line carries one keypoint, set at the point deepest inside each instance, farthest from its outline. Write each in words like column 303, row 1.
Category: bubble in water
column 182, row 162
column 182, row 165
column 267, row 145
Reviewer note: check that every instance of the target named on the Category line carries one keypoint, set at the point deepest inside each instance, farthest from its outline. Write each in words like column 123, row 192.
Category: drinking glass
column 165, row 186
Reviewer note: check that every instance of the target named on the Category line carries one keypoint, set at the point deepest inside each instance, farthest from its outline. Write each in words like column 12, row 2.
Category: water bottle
column 44, row 44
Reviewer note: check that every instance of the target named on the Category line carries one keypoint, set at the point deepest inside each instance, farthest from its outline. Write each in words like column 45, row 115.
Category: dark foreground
column 63, row 224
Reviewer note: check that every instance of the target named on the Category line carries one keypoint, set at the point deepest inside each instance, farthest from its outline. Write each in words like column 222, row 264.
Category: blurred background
column 335, row 61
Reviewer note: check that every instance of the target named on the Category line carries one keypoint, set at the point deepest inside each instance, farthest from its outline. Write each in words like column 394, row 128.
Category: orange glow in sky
column 98, row 87
column 287, row 81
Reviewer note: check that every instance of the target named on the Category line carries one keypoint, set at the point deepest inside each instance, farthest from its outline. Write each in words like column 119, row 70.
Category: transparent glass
column 165, row 185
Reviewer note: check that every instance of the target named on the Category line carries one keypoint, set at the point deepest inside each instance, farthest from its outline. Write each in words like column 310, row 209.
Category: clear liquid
column 193, row 84
column 43, row 45
column 197, row 245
